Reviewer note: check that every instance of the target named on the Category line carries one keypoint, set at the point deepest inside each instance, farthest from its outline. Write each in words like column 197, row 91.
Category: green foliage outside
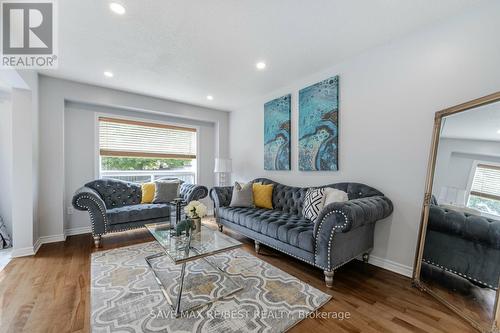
column 134, row 163
column 484, row 205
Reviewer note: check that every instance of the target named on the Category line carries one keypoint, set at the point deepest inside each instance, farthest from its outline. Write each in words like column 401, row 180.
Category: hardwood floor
column 50, row 292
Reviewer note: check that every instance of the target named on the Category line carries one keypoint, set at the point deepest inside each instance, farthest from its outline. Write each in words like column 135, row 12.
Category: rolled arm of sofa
column 87, row 199
column 190, row 192
column 352, row 214
column 221, row 195
column 342, row 217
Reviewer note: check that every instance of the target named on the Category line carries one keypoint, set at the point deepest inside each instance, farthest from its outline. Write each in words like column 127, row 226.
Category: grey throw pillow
column 166, row 191
column 242, row 195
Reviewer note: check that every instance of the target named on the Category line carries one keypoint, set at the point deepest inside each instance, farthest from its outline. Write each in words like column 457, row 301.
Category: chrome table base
column 176, row 307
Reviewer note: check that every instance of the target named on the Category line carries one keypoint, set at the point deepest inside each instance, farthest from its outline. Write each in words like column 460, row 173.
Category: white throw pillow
column 333, row 195
column 313, row 203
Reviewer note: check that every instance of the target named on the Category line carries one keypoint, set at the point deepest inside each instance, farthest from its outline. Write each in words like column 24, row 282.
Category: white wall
column 30, row 77
column 6, row 158
column 22, row 159
column 456, row 157
column 81, row 154
column 388, row 97
column 54, row 95
column 23, row 175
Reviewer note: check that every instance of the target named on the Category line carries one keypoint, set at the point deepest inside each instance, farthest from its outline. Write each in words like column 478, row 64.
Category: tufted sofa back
column 290, row 199
column 117, row 193
column 475, row 228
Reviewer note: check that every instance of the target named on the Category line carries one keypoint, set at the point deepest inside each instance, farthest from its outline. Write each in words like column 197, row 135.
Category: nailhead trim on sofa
column 458, row 273
column 290, row 254
column 91, row 213
column 331, row 234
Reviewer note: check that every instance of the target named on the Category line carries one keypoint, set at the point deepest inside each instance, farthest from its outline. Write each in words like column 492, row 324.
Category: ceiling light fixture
column 117, row 8
column 108, row 74
column 210, row 97
column 498, row 131
column 260, row 65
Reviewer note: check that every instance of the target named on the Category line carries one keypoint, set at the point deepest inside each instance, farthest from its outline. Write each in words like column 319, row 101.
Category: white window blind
column 128, row 138
column 486, row 183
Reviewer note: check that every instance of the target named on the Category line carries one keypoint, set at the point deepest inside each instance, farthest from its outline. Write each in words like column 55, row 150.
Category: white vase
column 197, row 225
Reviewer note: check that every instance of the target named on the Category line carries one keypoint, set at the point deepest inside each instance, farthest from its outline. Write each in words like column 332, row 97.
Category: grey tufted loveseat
column 342, row 231
column 115, row 205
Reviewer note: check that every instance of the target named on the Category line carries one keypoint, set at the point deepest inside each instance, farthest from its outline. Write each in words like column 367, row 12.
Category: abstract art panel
column 277, row 134
column 318, row 126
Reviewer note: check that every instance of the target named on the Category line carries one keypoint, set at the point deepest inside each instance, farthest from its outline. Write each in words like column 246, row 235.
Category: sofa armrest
column 343, row 217
column 352, row 214
column 221, row 195
column 87, row 199
column 190, row 192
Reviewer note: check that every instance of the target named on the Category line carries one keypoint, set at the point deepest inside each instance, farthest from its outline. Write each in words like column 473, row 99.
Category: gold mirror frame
column 494, row 326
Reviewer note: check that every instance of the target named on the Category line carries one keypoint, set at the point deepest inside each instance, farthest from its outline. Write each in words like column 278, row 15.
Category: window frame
column 97, row 151
column 470, row 181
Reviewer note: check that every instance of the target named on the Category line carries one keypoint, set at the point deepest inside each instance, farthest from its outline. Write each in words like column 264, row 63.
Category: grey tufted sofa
column 464, row 244
column 115, row 205
column 343, row 230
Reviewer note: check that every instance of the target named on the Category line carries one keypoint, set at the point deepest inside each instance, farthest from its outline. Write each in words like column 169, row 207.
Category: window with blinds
column 485, row 189
column 128, row 138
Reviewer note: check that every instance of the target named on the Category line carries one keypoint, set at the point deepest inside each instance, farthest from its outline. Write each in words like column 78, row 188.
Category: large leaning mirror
column 458, row 258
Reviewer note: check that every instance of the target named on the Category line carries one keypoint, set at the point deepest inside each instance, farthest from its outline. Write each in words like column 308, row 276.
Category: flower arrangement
column 195, row 209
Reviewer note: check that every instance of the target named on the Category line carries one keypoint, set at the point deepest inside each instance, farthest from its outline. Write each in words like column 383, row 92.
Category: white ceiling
column 185, row 50
column 482, row 123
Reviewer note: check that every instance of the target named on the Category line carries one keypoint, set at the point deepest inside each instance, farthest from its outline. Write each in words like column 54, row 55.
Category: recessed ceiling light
column 498, row 131
column 210, row 97
column 117, row 8
column 108, row 74
column 260, row 65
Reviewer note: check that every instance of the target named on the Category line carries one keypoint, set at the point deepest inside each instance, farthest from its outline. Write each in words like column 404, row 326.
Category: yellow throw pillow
column 263, row 195
column 148, row 193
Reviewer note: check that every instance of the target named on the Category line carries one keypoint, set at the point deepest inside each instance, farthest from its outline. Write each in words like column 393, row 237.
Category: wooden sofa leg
column 329, row 278
column 257, row 247
column 97, row 241
column 366, row 257
column 221, row 227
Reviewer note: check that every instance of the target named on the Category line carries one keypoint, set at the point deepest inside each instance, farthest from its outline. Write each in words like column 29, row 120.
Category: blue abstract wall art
column 319, row 126
column 277, row 134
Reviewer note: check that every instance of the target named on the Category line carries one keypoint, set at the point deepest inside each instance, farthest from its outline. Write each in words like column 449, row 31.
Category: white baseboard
column 391, row 266
column 39, row 242
column 22, row 252
column 78, row 231
column 29, row 251
column 52, row 239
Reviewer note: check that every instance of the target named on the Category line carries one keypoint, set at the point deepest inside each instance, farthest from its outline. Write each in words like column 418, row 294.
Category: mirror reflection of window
column 484, row 193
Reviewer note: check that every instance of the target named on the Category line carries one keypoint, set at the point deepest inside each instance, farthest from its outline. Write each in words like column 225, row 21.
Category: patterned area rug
column 125, row 296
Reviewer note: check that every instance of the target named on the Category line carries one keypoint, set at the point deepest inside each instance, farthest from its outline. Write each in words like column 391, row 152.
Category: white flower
column 195, row 209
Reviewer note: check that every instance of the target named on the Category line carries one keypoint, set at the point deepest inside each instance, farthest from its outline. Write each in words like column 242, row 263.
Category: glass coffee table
column 183, row 249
